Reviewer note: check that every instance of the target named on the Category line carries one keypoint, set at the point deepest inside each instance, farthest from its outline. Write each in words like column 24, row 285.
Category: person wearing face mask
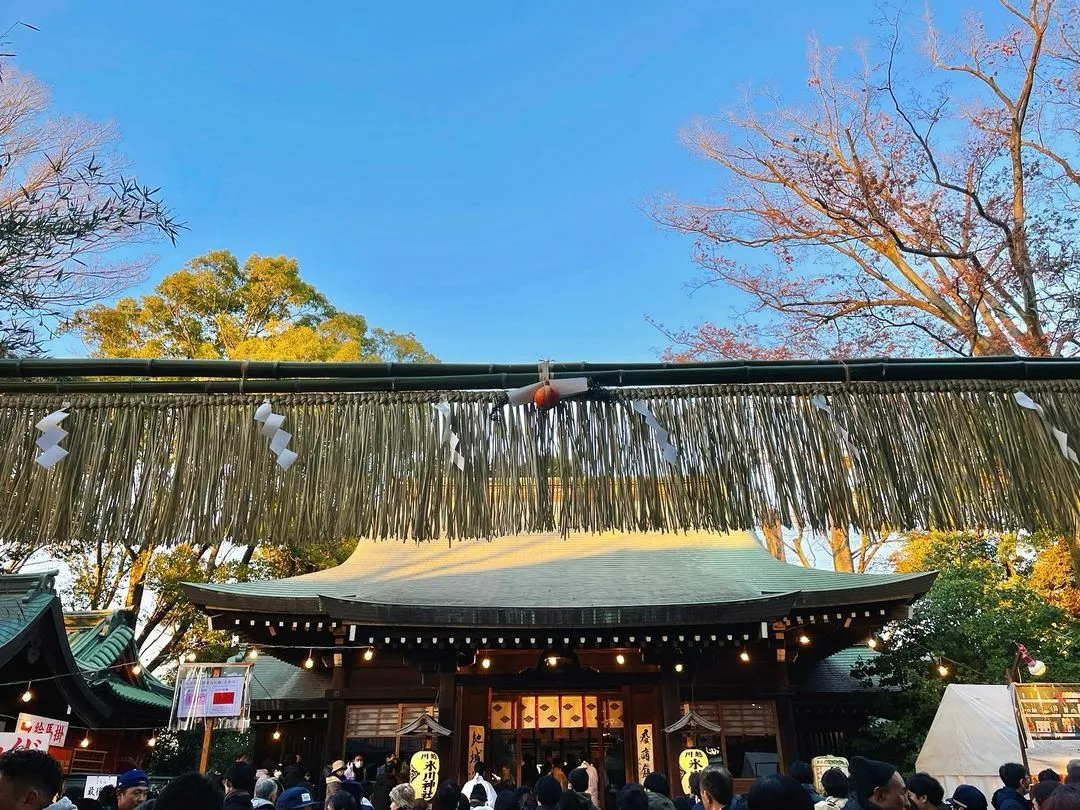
column 1013, row 793
column 875, row 786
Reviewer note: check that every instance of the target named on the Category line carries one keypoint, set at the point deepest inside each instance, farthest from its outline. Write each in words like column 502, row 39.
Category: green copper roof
column 833, row 674
column 273, row 679
column 23, row 598
column 134, row 694
column 620, row 575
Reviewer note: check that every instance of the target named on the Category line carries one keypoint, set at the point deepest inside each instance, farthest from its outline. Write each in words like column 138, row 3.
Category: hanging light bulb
column 804, row 639
column 552, row 661
column 277, row 734
column 27, row 696
column 620, row 659
column 253, row 653
column 136, row 669
column 942, row 670
column 679, row 667
column 190, row 656
column 486, row 663
column 872, row 643
column 152, row 742
column 369, row 653
column 744, row 656
column 1036, row 668
column 309, row 663
column 84, row 743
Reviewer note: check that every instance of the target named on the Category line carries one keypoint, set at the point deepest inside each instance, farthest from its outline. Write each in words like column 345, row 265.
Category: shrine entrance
column 531, row 733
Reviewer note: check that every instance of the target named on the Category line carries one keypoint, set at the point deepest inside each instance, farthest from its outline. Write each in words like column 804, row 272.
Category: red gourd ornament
column 546, row 397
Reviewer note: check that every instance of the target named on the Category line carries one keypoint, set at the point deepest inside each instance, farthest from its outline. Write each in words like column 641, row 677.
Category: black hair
column 463, row 802
column 866, row 776
column 695, row 783
column 835, row 784
column 107, row 796
column 1012, row 774
column 778, row 793
column 683, row 803
column 801, row 772
column 632, row 797
column 1041, row 791
column 923, row 784
column 1049, row 775
column 447, row 797
column 548, row 790
column 506, row 800
column 190, row 790
column 478, row 767
column 579, row 780
column 341, row 800
column 716, row 781
column 33, row 769
column 241, row 775
column 656, row 782
column 478, row 793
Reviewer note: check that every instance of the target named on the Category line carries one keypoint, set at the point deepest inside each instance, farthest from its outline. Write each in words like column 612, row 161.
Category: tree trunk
column 840, row 548
column 1074, row 551
column 774, row 539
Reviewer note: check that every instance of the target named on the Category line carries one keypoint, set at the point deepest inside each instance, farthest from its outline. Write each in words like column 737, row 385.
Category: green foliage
column 983, row 602
column 178, row 752
column 215, row 307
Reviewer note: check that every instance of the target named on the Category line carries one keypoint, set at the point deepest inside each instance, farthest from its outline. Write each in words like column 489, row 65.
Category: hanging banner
column 424, row 774
column 644, row 750
column 691, row 761
column 822, row 764
column 94, row 784
column 476, row 746
column 212, row 691
column 12, row 740
column 56, row 730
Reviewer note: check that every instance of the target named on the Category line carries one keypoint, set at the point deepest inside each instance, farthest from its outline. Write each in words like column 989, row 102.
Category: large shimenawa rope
column 191, row 468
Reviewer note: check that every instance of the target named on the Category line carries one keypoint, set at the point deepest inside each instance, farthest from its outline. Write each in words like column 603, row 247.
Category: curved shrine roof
column 584, row 579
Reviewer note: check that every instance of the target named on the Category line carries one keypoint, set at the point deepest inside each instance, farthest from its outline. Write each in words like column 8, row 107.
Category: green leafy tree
column 986, row 600
column 177, row 752
column 216, row 307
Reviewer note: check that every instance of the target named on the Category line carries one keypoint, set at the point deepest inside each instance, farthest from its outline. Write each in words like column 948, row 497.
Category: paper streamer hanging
column 273, row 428
column 663, row 438
column 447, row 434
column 1059, row 437
column 51, row 436
column 820, row 402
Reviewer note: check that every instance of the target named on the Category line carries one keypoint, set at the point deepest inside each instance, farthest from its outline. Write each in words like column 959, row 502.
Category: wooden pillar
column 445, row 747
column 785, row 719
column 334, row 745
column 670, row 706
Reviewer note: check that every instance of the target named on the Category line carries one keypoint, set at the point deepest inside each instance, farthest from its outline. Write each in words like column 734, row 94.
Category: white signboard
column 55, row 730
column 10, row 740
column 211, row 697
column 94, row 784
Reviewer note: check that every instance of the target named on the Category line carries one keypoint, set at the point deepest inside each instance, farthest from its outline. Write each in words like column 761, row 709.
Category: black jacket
column 237, row 800
column 1009, row 799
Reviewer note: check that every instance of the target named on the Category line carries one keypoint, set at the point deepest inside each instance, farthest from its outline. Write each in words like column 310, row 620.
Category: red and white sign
column 12, row 740
column 211, row 697
column 56, row 730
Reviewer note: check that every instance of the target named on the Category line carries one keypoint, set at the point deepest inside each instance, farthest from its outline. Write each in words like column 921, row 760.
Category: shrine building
column 529, row 648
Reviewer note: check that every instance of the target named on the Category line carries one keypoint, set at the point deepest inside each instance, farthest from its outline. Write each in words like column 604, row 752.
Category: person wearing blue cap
column 295, row 798
column 132, row 788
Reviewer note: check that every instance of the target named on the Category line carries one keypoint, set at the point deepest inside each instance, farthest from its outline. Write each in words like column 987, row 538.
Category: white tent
column 974, row 732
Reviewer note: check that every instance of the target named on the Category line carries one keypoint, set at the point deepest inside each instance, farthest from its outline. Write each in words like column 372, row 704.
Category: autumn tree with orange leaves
column 919, row 198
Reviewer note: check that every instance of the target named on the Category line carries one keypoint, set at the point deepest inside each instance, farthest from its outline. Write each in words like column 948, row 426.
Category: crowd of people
column 32, row 780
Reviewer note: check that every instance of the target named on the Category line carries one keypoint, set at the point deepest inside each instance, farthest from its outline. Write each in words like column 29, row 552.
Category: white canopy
column 974, row 732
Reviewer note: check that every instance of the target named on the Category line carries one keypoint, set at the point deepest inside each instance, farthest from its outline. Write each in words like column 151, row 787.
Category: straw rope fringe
column 193, row 468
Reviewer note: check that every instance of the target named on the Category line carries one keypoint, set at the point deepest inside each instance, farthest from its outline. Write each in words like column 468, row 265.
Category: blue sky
column 474, row 172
